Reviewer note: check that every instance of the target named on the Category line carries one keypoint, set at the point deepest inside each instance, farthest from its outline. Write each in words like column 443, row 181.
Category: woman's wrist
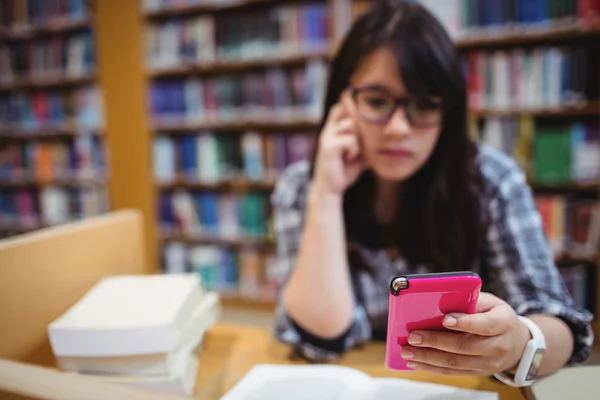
column 320, row 196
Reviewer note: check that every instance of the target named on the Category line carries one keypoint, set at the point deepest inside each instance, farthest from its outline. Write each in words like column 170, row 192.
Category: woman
column 397, row 186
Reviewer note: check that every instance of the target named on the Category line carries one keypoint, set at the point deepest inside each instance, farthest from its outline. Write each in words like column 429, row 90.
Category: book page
column 300, row 382
column 390, row 388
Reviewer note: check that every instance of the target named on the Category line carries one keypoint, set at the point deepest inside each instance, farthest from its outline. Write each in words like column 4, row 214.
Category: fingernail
column 450, row 320
column 410, row 364
column 415, row 338
column 407, row 354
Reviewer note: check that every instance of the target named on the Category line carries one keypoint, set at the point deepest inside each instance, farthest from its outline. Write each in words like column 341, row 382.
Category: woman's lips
column 395, row 153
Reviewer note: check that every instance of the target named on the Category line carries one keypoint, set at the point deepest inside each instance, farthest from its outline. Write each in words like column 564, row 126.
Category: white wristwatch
column 529, row 366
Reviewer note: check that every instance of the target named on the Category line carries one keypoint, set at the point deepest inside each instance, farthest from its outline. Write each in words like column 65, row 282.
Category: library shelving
column 53, row 159
column 241, row 126
column 534, row 92
column 56, row 82
column 202, row 56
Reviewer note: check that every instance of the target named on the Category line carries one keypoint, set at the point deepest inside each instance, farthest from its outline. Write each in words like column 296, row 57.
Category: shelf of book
column 54, row 27
column 178, row 9
column 63, row 183
column 267, row 124
column 45, row 83
column 259, row 243
column 53, row 158
column 525, row 36
column 589, row 108
column 226, row 95
column 44, row 134
column 235, row 185
column 276, row 60
column 578, row 187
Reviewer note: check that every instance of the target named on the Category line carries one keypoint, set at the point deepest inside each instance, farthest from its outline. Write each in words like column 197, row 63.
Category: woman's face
column 396, row 141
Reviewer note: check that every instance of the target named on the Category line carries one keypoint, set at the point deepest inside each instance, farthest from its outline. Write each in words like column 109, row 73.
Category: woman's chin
column 393, row 173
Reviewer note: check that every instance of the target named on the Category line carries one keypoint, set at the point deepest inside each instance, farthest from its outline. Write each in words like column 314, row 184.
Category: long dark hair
column 439, row 218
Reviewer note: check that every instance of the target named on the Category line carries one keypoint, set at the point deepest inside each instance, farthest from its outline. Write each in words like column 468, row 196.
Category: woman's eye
column 377, row 102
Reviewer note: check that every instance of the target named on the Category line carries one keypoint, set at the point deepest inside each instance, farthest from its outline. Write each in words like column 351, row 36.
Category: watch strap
column 528, row 367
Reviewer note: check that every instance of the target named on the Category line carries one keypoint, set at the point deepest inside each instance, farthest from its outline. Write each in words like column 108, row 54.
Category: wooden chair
column 43, row 273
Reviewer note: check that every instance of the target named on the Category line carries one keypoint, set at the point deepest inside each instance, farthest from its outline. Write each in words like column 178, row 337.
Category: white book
column 127, row 315
column 252, row 155
column 163, row 365
column 164, row 159
column 579, row 383
column 208, row 158
column 54, row 204
column 186, row 213
column 175, row 255
column 181, row 382
column 333, row 382
column 194, row 101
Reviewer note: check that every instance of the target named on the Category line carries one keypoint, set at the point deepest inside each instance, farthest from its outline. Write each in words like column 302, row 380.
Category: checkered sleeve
column 520, row 263
column 288, row 201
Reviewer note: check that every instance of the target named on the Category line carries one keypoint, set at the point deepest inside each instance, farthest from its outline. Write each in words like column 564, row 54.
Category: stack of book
column 142, row 330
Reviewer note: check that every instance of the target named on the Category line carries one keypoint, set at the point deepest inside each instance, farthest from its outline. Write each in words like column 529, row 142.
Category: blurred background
column 189, row 109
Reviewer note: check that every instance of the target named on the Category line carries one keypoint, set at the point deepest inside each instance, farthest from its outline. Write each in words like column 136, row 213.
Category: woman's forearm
column 559, row 342
column 318, row 294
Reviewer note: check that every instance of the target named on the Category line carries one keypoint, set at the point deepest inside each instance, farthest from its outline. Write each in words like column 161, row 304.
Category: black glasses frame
column 399, row 102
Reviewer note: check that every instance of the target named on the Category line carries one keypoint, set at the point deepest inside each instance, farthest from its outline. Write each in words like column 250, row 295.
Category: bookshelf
column 561, row 40
column 147, row 182
column 53, row 158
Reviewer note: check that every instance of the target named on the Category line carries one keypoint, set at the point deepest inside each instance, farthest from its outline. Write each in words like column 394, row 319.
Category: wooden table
column 229, row 351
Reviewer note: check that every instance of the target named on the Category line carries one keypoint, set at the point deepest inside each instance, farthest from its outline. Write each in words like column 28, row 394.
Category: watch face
column 534, row 368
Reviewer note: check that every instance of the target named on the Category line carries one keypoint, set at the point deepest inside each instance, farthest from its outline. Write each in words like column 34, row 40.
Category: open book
column 332, row 382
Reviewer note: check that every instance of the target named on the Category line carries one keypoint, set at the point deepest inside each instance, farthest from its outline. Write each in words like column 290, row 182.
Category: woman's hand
column 339, row 161
column 490, row 341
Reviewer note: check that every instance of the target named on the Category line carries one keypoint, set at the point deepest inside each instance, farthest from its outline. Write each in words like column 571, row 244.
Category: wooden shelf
column 44, row 134
column 206, row 7
column 566, row 187
column 241, row 65
column 226, row 185
column 51, row 28
column 565, row 259
column 590, row 108
column 265, row 125
column 264, row 244
column 531, row 37
column 67, row 183
column 30, row 83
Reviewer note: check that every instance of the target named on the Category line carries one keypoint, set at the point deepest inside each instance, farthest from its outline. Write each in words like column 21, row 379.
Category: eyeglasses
column 377, row 106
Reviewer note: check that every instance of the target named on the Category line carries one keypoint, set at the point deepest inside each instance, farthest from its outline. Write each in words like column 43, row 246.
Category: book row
column 540, row 77
column 56, row 57
column 218, row 216
column 29, row 112
column 477, row 18
column 246, row 273
column 278, row 31
column 250, row 274
column 209, row 158
column 22, row 14
column 571, row 225
column 289, row 94
column 82, row 158
column 550, row 152
column 31, row 209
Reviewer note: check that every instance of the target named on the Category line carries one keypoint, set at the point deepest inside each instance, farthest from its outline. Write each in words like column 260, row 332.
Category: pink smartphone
column 421, row 301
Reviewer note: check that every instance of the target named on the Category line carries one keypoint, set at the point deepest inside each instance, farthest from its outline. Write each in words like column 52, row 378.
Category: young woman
column 397, row 186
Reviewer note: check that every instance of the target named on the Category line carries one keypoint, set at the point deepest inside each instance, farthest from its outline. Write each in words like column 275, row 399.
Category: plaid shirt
column 519, row 264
